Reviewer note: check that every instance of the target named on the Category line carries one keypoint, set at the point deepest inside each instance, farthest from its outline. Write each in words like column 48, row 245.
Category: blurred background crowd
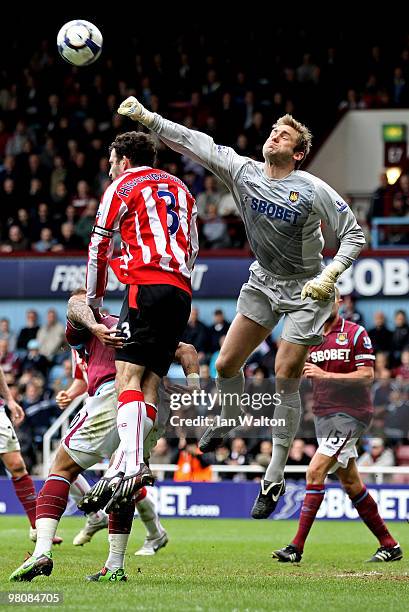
column 37, row 363
column 57, row 121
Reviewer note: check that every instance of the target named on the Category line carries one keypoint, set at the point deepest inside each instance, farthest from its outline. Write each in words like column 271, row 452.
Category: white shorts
column 265, row 300
column 93, row 434
column 340, row 444
column 8, row 438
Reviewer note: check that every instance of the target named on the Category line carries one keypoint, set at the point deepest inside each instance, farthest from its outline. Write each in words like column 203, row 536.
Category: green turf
column 220, row 565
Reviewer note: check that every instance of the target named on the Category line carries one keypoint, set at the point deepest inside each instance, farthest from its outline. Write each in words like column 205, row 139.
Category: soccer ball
column 79, row 42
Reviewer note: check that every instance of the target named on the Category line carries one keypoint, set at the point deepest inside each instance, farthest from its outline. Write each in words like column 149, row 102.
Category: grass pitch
column 224, row 565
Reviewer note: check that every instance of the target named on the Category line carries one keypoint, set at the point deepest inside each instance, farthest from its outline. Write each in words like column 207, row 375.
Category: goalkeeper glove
column 322, row 287
column 136, row 111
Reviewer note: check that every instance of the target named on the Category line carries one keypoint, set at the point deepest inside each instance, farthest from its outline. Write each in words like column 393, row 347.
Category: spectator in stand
column 82, row 197
column 351, row 102
column 9, row 200
column 7, row 334
column 69, row 241
column 263, row 457
column 22, row 219
column 396, row 424
column 348, row 310
column 42, row 219
column 221, row 457
column 257, row 133
column 29, row 332
column 16, row 143
column 34, row 360
column 47, row 242
column 381, row 200
column 211, row 195
column 298, row 456
column 238, row 456
column 58, row 175
column 16, row 242
column 218, row 328
column 382, row 365
column 51, row 335
column 9, row 361
column 60, row 198
column 399, row 88
column 86, row 222
column 400, row 337
column 376, row 455
column 60, row 376
column 214, row 230
column 192, row 464
column 380, row 335
column 402, row 371
column 197, row 333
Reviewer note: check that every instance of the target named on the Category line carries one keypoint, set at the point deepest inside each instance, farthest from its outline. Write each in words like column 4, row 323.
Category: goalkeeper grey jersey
column 282, row 217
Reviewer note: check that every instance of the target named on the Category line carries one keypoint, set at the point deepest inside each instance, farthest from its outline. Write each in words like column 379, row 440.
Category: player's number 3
column 173, row 219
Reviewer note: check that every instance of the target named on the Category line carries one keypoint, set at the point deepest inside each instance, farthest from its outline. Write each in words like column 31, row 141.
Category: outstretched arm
column 81, row 314
column 200, row 147
column 16, row 411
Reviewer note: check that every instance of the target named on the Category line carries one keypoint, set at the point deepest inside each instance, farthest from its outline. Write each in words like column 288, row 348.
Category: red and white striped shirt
column 156, row 216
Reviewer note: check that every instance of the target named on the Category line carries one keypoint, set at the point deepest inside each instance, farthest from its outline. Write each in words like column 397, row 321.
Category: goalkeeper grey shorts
column 265, row 299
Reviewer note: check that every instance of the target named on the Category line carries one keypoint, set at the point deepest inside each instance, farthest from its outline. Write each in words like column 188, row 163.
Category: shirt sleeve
column 77, row 369
column 223, row 161
column 363, row 351
column 110, row 212
column 332, row 209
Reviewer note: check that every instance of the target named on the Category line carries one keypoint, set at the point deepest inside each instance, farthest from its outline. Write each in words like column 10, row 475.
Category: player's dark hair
column 138, row 147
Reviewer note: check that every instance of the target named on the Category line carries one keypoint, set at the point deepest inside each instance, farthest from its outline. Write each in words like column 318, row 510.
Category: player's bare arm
column 66, row 396
column 362, row 374
column 79, row 312
column 16, row 411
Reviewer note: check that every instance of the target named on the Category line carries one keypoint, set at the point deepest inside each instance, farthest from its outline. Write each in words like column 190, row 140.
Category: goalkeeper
column 282, row 208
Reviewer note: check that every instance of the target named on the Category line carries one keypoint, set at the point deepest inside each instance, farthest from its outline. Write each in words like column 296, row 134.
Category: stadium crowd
column 37, row 363
column 56, row 122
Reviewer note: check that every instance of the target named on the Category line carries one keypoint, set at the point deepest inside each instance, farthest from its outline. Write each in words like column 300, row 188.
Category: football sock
column 119, row 528
column 51, row 503
column 78, row 488
column 25, row 491
column 314, row 495
column 290, row 411
column 368, row 511
column 134, row 425
column 148, row 515
column 118, row 462
column 230, row 391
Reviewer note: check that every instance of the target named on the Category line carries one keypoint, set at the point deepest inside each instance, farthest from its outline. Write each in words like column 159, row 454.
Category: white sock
column 133, row 427
column 78, row 488
column 117, row 548
column 117, row 463
column 149, row 517
column 46, row 530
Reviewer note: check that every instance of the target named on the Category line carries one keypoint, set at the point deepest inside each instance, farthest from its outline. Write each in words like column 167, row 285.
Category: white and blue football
column 79, row 42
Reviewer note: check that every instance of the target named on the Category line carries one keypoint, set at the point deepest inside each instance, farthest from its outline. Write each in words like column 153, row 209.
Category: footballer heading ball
column 79, row 42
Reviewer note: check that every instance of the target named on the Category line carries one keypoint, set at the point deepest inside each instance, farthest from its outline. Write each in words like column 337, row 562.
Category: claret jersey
column 99, row 359
column 344, row 349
